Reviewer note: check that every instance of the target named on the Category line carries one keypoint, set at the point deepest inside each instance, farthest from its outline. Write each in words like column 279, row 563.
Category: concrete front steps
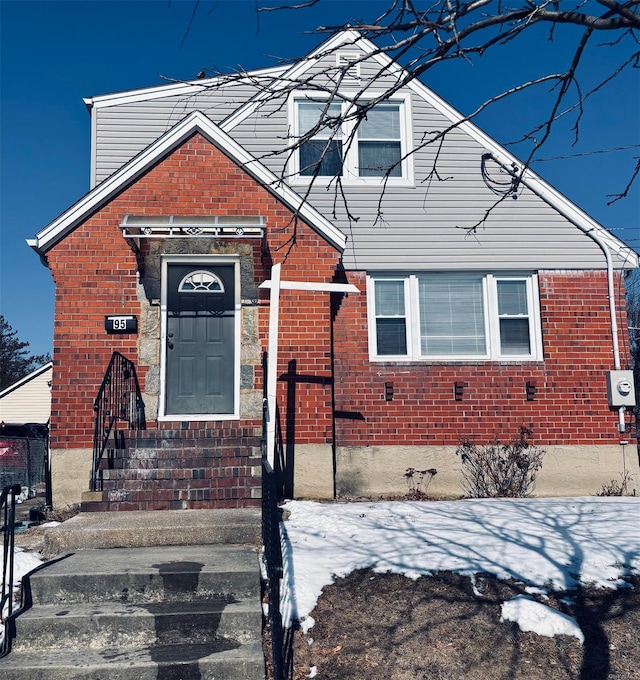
column 139, row 529
column 169, row 612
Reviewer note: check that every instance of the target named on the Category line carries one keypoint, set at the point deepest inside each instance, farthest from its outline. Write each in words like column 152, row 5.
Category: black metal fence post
column 8, row 514
column 271, row 539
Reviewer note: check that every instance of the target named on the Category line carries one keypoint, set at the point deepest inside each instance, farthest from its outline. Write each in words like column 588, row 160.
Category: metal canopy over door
column 200, row 339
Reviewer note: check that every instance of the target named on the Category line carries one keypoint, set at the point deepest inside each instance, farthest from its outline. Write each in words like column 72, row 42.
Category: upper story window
column 337, row 142
column 380, row 142
column 322, row 152
column 454, row 316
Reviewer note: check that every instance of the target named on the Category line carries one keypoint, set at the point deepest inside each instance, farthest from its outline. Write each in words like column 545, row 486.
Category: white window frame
column 349, row 137
column 491, row 319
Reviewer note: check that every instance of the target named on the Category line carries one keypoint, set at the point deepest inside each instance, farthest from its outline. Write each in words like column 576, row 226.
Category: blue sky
column 55, row 53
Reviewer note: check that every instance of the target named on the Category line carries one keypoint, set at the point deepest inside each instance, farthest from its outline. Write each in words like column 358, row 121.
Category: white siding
column 123, row 130
column 424, row 226
column 30, row 402
column 427, row 224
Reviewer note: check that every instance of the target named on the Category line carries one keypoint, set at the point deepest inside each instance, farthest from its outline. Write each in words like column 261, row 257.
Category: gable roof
column 508, row 161
column 164, row 145
column 281, row 78
column 26, row 379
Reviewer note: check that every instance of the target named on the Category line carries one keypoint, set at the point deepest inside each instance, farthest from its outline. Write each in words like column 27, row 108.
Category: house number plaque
column 121, row 324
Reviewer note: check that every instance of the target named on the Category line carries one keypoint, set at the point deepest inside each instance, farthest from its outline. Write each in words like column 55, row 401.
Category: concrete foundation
column 70, row 475
column 372, row 471
column 313, row 471
column 380, row 471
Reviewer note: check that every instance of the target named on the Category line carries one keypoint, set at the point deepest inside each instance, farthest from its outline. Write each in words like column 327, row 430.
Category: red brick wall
column 304, row 365
column 570, row 405
column 171, row 468
column 95, row 275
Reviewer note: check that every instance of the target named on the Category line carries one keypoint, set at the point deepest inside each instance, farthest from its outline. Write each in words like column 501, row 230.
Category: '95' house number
column 121, row 324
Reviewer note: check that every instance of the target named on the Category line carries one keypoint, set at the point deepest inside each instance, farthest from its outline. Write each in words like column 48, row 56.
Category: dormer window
column 380, row 142
column 321, row 154
column 336, row 140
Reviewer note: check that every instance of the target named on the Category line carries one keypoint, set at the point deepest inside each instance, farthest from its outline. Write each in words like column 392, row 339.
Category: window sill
column 377, row 182
column 456, row 361
column 197, row 417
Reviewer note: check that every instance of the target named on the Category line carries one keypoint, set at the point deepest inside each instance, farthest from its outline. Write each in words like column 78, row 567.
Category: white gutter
column 594, row 236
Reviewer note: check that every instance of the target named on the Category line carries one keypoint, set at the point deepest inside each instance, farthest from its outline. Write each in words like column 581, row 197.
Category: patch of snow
column 552, row 543
column 307, row 623
column 535, row 590
column 23, row 562
column 23, row 495
column 476, row 586
column 313, row 672
column 538, row 618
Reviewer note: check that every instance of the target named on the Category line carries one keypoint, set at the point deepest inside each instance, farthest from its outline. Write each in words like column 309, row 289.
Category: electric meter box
column 620, row 388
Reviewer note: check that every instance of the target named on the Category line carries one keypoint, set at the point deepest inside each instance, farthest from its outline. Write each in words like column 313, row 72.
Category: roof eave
column 27, row 378
column 179, row 88
column 195, row 122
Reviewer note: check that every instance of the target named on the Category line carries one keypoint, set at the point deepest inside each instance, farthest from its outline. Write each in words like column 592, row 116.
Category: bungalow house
column 456, row 332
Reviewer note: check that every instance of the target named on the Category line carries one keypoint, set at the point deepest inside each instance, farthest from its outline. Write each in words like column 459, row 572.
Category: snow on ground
column 545, row 543
column 538, row 618
column 23, row 563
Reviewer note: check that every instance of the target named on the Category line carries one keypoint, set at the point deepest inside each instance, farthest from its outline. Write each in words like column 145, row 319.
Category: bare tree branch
column 625, row 193
column 302, row 5
column 419, row 35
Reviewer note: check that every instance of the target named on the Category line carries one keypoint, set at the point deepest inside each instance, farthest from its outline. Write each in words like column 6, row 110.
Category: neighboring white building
column 29, row 399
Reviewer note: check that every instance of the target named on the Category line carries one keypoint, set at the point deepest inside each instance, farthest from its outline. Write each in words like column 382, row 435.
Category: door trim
column 207, row 261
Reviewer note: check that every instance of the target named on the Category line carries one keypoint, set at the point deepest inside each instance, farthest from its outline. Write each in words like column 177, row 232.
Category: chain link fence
column 22, row 461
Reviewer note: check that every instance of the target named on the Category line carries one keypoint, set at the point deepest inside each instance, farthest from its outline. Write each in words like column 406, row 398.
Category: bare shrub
column 500, row 470
column 614, row 487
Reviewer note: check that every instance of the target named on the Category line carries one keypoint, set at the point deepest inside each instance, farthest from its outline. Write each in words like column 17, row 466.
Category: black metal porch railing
column 119, row 399
column 8, row 515
column 274, row 567
column 271, row 538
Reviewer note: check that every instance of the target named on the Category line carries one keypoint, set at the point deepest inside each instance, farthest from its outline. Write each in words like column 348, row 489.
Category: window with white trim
column 372, row 147
column 321, row 153
column 380, row 142
column 454, row 316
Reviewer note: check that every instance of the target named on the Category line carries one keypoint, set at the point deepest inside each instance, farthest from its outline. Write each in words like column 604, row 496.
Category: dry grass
column 388, row 627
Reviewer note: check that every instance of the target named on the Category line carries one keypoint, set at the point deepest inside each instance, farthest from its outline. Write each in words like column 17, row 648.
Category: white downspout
column 591, row 233
column 612, row 313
